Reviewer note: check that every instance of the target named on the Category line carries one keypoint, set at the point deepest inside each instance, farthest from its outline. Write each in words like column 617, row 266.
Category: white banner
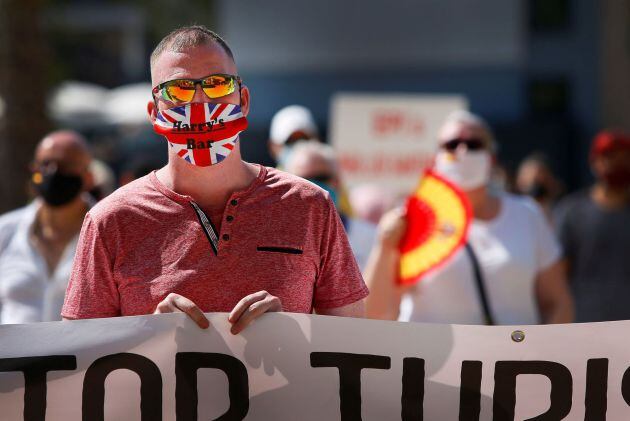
column 301, row 367
column 386, row 139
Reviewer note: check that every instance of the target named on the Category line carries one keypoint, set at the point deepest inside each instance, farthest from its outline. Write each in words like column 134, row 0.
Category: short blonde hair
column 188, row 37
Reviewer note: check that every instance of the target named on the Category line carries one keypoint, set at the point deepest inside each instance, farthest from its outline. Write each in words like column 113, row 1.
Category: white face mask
column 467, row 170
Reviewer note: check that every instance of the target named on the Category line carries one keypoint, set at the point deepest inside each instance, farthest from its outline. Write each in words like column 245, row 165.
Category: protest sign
column 302, row 367
column 386, row 139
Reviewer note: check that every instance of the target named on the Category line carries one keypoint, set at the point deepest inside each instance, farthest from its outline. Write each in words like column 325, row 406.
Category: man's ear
column 152, row 111
column 245, row 100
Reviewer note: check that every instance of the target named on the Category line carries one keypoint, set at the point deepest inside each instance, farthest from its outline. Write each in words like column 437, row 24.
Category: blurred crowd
column 534, row 252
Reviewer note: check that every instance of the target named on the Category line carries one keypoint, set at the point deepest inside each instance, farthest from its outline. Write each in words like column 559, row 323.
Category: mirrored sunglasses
column 183, row 90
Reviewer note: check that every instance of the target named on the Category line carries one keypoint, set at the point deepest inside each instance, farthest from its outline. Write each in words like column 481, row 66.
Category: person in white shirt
column 508, row 273
column 38, row 241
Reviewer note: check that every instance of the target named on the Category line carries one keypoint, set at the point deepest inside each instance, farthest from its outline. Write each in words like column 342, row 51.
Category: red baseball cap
column 609, row 141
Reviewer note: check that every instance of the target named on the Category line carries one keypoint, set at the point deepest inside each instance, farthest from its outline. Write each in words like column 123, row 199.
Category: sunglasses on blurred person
column 296, row 136
column 182, row 91
column 470, row 144
column 321, row 178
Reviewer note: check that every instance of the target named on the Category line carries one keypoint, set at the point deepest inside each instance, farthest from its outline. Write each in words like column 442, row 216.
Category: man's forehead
column 457, row 129
column 192, row 62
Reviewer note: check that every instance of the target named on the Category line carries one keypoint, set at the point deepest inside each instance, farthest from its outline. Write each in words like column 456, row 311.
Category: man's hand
column 391, row 229
column 174, row 303
column 250, row 308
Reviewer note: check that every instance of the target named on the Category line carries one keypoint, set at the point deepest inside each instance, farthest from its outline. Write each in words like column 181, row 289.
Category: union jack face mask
column 201, row 133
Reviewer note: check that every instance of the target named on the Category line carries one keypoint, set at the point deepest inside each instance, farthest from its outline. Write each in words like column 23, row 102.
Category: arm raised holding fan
column 382, row 268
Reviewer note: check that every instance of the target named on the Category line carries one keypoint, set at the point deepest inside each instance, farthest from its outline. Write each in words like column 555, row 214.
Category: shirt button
column 226, row 237
column 229, row 218
column 234, row 202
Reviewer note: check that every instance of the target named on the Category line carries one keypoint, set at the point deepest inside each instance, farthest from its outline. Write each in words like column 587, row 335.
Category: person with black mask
column 594, row 229
column 38, row 241
column 535, row 179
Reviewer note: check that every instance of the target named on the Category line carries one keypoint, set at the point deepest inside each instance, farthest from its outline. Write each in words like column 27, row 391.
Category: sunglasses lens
column 450, row 145
column 217, row 86
column 183, row 90
column 470, row 144
column 474, row 145
column 180, row 90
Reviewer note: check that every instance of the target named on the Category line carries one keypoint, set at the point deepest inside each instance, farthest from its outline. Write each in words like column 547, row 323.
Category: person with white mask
column 509, row 272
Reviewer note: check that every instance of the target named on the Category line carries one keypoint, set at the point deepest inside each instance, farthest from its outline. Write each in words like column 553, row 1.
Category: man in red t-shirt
column 210, row 232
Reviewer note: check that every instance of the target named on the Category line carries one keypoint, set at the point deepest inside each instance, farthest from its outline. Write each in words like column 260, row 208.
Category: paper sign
column 387, row 139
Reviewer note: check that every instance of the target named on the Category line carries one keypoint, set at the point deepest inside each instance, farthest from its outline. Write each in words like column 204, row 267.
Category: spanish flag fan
column 438, row 216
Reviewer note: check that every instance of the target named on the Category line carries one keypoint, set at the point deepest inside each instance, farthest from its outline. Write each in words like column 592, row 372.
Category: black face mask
column 58, row 189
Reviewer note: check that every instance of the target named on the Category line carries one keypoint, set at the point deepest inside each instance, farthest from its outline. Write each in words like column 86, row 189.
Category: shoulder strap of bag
column 480, row 284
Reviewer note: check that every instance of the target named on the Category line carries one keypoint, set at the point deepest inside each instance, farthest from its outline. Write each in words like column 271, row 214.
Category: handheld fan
column 438, row 216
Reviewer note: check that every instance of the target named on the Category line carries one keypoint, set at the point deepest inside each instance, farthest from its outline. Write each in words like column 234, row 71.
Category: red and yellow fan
column 438, row 216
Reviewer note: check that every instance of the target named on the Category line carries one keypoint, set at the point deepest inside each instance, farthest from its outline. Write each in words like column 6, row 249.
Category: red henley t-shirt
column 282, row 234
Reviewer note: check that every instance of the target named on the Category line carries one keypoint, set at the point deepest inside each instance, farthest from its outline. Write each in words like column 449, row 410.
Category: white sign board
column 302, row 367
column 387, row 139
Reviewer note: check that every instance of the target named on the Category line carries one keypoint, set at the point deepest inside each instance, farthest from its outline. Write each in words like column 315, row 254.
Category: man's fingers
column 175, row 302
column 244, row 304
column 164, row 307
column 191, row 309
column 253, row 312
column 270, row 303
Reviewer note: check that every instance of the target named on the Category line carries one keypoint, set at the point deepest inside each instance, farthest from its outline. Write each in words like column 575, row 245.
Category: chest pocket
column 276, row 249
column 284, row 263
